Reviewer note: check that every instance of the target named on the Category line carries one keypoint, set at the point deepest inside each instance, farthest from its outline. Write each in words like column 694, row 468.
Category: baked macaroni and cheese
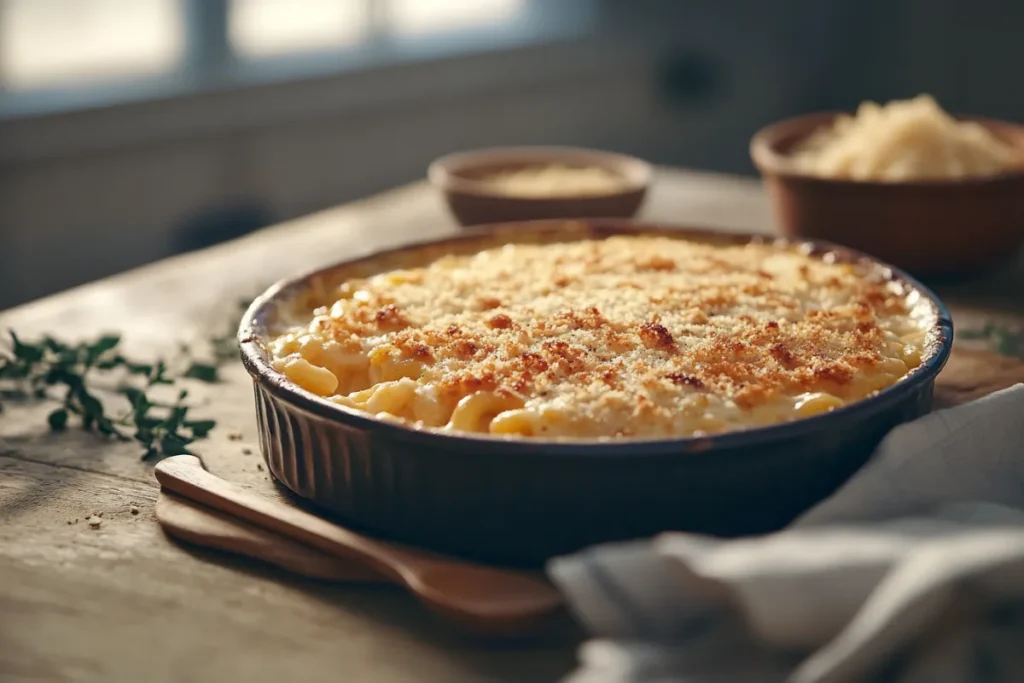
column 904, row 140
column 628, row 336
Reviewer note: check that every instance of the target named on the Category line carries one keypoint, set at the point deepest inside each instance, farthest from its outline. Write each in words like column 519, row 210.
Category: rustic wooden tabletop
column 120, row 602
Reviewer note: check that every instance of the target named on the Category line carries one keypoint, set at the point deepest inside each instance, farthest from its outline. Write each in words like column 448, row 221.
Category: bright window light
column 46, row 43
column 420, row 17
column 265, row 28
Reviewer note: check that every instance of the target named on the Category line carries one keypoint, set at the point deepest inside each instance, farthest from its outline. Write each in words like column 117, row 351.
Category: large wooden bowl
column 929, row 228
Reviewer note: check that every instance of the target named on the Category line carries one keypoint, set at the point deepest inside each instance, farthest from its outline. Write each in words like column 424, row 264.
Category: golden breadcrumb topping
column 635, row 336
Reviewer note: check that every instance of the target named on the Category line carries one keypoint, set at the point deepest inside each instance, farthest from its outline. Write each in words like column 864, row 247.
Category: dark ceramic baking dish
column 520, row 501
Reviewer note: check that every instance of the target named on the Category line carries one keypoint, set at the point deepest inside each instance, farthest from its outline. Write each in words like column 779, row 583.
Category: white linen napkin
column 913, row 572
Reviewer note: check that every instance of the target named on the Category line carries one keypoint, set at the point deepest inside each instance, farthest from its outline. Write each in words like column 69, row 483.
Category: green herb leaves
column 166, row 431
column 49, row 369
column 219, row 348
column 58, row 419
column 58, row 371
column 204, row 372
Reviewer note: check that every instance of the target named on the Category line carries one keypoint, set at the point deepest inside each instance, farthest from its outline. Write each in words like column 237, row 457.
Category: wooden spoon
column 188, row 521
column 485, row 600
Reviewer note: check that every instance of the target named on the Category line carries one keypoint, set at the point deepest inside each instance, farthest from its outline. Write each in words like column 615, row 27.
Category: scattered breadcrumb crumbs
column 259, row 467
column 246, row 451
column 94, row 521
column 235, row 436
column 134, row 510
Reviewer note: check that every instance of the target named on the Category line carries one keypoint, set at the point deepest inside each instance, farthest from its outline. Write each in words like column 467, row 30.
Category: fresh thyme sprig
column 49, row 369
column 220, row 347
column 1002, row 339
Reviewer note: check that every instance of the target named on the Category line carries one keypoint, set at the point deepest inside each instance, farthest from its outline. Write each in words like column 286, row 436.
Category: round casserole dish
column 522, row 500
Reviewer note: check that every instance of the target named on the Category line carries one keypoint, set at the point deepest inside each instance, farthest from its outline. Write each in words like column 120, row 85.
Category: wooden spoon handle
column 184, row 475
column 487, row 600
column 195, row 524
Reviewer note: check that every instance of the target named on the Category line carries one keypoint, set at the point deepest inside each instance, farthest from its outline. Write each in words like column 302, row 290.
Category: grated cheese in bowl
column 904, row 140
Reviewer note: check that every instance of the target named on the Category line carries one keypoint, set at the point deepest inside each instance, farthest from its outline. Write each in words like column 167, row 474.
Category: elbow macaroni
column 320, row 381
column 813, row 404
column 477, row 412
column 651, row 337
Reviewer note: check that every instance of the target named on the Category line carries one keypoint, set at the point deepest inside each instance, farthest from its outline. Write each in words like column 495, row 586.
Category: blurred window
column 419, row 17
column 48, row 45
column 263, row 28
column 66, row 55
column 45, row 43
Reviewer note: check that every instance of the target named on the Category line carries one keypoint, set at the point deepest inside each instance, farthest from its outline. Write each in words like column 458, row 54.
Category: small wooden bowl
column 930, row 228
column 473, row 202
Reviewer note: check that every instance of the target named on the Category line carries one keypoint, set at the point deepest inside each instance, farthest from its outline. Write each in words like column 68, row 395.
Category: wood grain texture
column 973, row 373
column 121, row 602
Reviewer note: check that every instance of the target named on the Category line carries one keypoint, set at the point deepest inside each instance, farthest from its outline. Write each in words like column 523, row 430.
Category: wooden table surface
column 123, row 603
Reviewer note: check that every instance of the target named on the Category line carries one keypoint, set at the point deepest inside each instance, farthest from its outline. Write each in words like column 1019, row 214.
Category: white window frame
column 210, row 64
